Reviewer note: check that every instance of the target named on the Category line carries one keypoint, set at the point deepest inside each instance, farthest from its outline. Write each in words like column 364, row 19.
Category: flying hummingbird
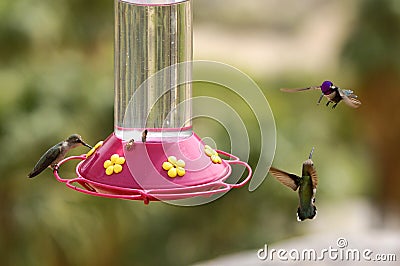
column 307, row 185
column 56, row 153
column 332, row 93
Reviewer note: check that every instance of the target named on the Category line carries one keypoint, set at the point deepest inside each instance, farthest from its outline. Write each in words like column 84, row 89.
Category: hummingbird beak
column 85, row 144
column 311, row 153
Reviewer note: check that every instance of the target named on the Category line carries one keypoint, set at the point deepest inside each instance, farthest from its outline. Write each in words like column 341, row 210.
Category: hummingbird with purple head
column 55, row 154
column 333, row 93
column 306, row 184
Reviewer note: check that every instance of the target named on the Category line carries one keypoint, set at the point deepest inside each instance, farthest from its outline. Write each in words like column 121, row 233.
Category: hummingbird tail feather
column 309, row 213
column 36, row 171
column 33, row 174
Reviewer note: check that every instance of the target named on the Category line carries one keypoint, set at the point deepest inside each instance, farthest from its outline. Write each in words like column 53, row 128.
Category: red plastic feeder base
column 153, row 170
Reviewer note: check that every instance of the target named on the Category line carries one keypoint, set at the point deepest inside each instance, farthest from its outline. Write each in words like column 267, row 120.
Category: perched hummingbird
column 56, row 153
column 307, row 185
column 129, row 145
column 144, row 135
column 333, row 94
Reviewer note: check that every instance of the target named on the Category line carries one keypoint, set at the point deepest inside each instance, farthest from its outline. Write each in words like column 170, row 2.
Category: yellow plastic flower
column 114, row 165
column 174, row 167
column 210, row 152
column 98, row 145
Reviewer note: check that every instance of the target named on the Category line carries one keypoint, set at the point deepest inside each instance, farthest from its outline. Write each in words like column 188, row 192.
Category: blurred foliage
column 373, row 52
column 56, row 71
column 374, row 43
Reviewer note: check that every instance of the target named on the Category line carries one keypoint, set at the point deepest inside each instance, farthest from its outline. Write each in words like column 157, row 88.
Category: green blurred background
column 56, row 74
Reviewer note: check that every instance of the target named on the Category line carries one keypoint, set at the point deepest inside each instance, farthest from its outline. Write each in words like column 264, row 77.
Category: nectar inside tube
column 152, row 36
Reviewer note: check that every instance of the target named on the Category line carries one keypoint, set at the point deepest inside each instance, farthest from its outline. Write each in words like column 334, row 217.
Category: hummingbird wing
column 301, row 89
column 46, row 160
column 289, row 180
column 314, row 177
column 349, row 98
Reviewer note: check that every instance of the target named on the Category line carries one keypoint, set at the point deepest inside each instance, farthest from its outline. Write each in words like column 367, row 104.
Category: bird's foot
column 55, row 168
column 320, row 99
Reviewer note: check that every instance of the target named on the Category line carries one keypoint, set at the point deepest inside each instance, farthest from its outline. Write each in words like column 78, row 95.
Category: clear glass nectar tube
column 150, row 36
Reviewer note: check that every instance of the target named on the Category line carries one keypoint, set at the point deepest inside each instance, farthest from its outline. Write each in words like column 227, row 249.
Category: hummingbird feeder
column 153, row 153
